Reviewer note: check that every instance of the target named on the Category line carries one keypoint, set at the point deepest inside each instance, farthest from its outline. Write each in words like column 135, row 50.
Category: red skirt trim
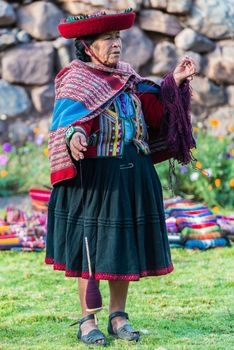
column 109, row 276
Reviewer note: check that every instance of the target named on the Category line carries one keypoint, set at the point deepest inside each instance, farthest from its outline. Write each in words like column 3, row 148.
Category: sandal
column 124, row 332
column 94, row 337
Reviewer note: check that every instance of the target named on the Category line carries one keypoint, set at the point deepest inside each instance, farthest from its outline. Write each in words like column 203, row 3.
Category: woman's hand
column 186, row 69
column 78, row 145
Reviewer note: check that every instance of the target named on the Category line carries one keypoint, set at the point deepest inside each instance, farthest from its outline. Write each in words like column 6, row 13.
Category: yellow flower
column 214, row 122
column 46, row 151
column 195, row 129
column 210, row 187
column 217, row 182
column 232, row 152
column 231, row 183
column 4, row 173
column 36, row 131
column 221, row 138
column 230, row 128
column 215, row 209
column 198, row 165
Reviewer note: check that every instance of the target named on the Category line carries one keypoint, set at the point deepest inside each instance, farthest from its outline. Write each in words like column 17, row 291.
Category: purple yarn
column 93, row 295
column 177, row 123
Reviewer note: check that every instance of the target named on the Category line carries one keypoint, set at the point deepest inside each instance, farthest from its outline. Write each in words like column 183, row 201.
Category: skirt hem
column 109, row 276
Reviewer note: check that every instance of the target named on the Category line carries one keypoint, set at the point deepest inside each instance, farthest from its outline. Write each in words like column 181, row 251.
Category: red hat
column 101, row 22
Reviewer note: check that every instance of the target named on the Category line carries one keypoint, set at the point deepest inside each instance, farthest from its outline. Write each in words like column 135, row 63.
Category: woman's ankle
column 87, row 326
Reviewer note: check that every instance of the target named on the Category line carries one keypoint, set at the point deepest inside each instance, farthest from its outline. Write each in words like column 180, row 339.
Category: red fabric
column 152, row 109
column 109, row 276
column 39, row 194
column 200, row 211
column 8, row 236
column 87, row 126
column 209, row 224
column 63, row 174
column 96, row 25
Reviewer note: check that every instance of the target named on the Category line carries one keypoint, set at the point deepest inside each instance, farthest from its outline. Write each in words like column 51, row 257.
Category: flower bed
column 210, row 179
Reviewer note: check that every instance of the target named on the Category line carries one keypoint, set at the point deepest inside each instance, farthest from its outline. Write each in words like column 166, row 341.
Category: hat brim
column 96, row 25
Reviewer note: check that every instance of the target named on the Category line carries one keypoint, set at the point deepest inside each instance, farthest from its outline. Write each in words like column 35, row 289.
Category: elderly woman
column 109, row 127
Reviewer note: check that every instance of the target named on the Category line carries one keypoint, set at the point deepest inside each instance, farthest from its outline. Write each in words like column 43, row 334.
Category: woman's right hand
column 78, row 145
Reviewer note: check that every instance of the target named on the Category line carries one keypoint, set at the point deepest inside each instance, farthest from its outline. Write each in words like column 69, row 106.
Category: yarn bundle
column 194, row 226
column 226, row 224
column 19, row 231
column 40, row 196
column 175, row 237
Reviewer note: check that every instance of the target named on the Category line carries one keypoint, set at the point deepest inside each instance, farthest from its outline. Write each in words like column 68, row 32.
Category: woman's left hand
column 186, row 69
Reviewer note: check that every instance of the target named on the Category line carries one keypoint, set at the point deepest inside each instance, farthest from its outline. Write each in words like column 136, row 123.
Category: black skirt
column 117, row 204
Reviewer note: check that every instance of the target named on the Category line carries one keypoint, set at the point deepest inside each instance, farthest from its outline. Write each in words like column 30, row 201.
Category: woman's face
column 107, row 47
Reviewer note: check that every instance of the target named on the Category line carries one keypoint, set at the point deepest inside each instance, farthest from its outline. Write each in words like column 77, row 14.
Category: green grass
column 191, row 308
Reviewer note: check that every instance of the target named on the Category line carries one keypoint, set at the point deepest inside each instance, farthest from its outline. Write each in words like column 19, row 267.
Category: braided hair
column 80, row 49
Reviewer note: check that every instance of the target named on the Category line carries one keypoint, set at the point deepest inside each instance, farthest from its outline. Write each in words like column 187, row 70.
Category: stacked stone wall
column 31, row 53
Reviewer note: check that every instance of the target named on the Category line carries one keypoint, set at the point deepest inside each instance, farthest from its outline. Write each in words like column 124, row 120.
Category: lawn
column 191, row 308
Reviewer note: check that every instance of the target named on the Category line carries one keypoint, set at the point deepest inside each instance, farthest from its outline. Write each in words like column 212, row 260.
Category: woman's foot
column 118, row 326
column 118, row 322
column 89, row 333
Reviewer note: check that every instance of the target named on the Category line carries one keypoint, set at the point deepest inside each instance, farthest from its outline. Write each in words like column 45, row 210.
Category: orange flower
column 204, row 172
column 198, row 165
column 195, row 129
column 230, row 128
column 215, row 209
column 46, row 151
column 231, row 183
column 232, row 152
column 36, row 131
column 214, row 122
column 210, row 187
column 217, row 182
column 4, row 173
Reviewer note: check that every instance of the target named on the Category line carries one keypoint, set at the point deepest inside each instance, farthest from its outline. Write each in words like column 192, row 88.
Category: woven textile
column 82, row 93
column 207, row 243
column 85, row 90
column 195, row 225
column 22, row 231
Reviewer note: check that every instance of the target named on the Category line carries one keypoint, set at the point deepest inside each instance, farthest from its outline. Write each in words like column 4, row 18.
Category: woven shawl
column 84, row 90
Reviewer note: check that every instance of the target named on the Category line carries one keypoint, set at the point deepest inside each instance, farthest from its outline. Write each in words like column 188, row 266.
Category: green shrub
column 211, row 178
column 27, row 165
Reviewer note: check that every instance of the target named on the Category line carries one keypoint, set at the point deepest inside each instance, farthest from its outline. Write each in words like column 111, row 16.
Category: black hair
column 80, row 49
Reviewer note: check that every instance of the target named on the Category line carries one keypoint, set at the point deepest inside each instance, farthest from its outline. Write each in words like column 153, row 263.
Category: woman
column 109, row 126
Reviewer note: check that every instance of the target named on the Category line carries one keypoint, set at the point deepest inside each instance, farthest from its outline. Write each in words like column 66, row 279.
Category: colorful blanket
column 207, row 243
column 226, row 224
column 40, row 197
column 22, row 231
column 195, row 226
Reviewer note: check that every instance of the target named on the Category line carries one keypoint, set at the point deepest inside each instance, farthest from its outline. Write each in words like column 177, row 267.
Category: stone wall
column 31, row 53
